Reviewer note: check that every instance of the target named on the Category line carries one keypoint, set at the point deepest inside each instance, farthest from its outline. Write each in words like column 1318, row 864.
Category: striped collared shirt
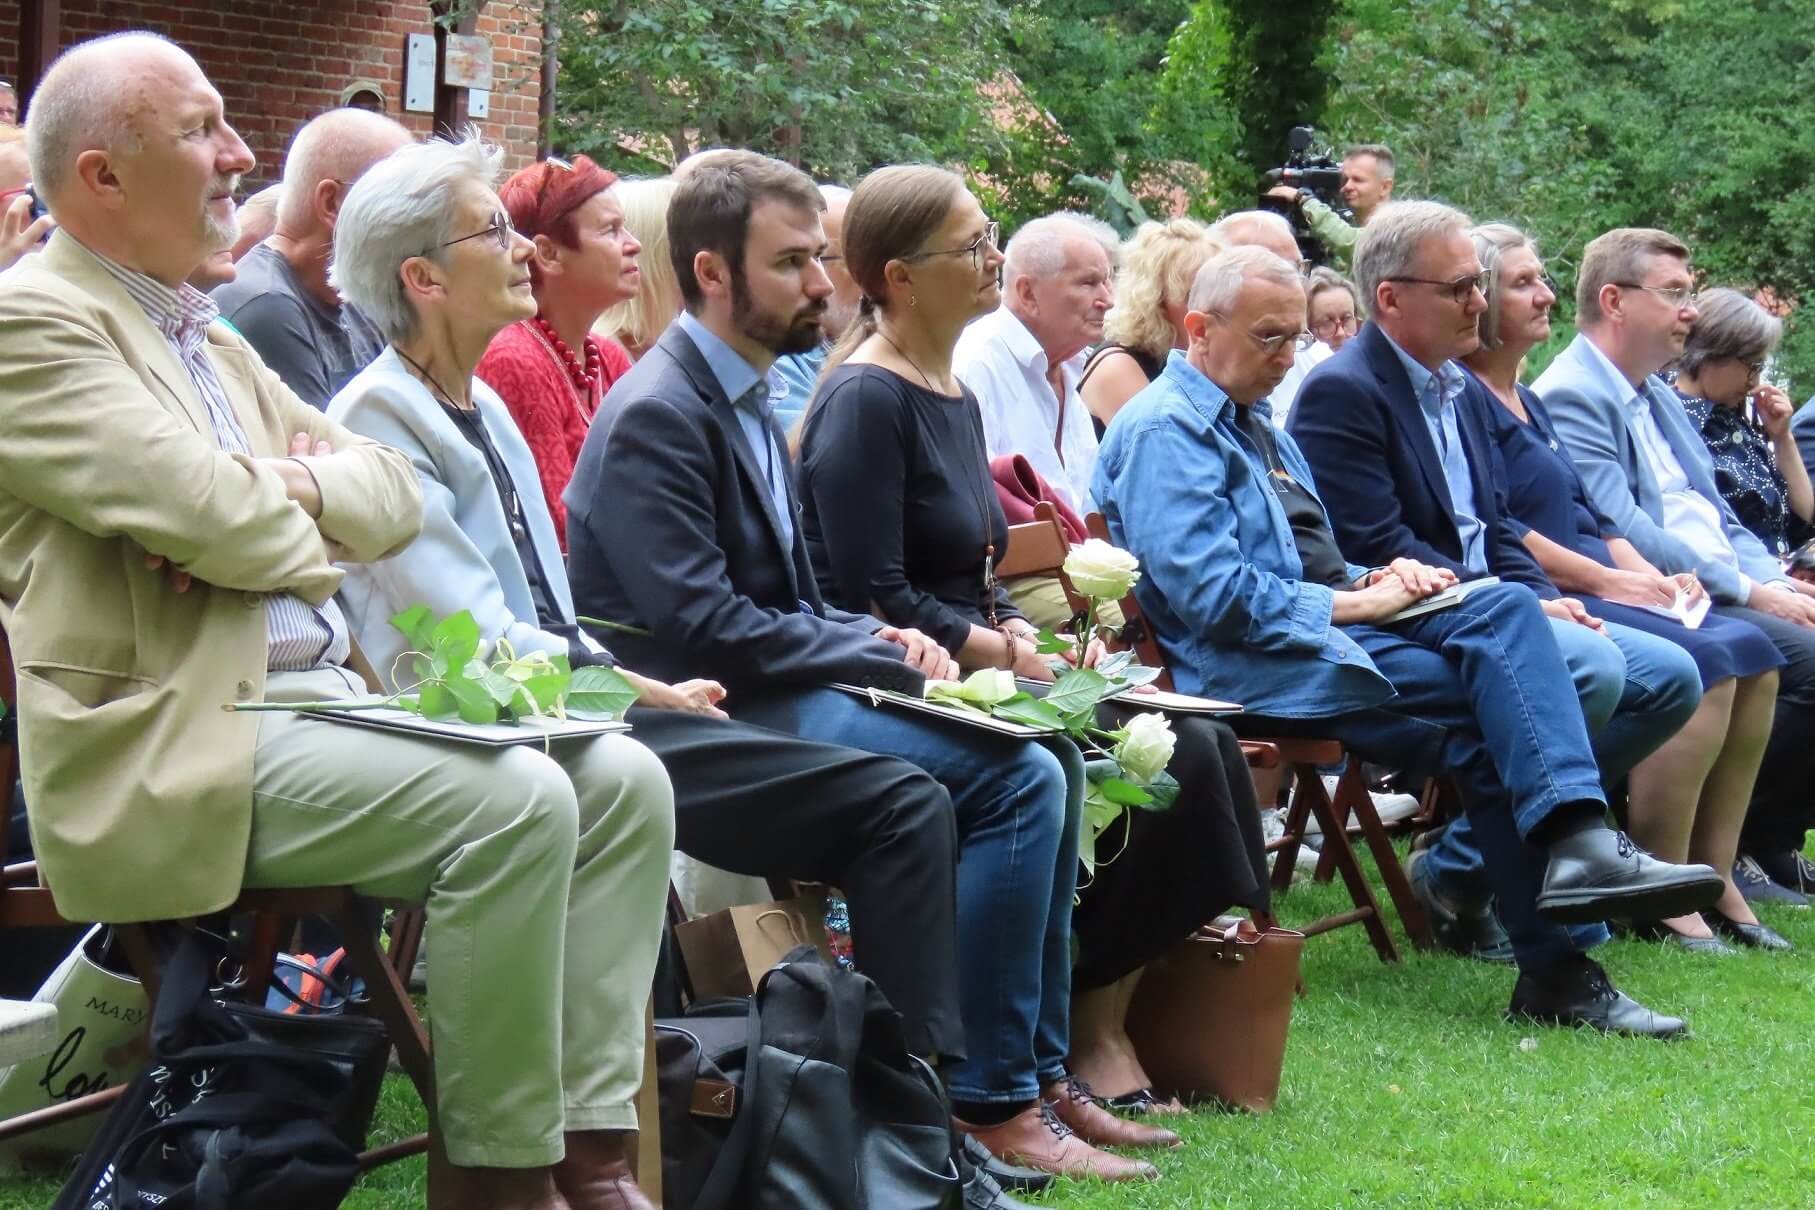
column 298, row 635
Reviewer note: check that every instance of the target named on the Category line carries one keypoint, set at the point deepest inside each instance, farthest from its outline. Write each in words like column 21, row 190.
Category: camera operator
column 1367, row 182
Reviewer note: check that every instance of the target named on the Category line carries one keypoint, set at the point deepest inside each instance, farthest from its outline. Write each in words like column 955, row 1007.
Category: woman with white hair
column 1757, row 467
column 413, row 249
column 1147, row 322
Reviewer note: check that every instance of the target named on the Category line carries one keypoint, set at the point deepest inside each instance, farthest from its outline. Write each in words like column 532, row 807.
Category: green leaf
column 1076, row 694
column 472, row 700
column 417, row 624
column 456, row 638
column 598, row 694
column 434, row 701
column 1112, row 664
column 1030, row 711
column 1048, row 643
column 1164, row 790
column 1138, row 674
column 1123, row 792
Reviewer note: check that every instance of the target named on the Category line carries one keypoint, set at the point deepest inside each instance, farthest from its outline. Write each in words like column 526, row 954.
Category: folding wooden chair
column 1305, row 756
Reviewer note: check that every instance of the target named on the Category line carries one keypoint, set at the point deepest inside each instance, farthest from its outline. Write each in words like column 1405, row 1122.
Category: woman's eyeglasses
column 500, row 230
column 1331, row 325
column 991, row 233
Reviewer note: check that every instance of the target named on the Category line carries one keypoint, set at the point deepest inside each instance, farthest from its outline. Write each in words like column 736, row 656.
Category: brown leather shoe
column 1037, row 1139
column 1079, row 1108
column 595, row 1175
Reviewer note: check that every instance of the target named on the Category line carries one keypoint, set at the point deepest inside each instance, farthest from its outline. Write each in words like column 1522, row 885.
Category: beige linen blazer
column 139, row 784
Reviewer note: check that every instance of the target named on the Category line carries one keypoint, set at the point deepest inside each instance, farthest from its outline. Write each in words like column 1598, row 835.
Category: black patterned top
column 1745, row 471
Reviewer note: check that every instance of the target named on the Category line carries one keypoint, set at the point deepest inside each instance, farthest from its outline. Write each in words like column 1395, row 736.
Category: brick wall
column 278, row 63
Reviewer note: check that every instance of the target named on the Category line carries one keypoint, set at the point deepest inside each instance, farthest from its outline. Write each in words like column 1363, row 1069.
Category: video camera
column 1312, row 168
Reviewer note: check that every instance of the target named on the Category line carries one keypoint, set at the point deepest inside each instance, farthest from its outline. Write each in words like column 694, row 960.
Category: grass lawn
column 1403, row 1087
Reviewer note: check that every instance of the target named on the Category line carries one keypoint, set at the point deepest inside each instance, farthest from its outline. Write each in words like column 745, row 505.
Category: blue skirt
column 1721, row 647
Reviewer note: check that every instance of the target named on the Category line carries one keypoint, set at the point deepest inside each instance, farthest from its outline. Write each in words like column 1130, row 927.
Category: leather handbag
column 1209, row 1019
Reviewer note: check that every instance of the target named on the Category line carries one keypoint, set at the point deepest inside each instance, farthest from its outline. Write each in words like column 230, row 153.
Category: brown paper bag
column 727, row 952
column 1209, row 1019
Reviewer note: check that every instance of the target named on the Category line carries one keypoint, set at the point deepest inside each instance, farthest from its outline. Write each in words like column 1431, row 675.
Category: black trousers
column 755, row 801
column 1177, row 869
column 1783, row 802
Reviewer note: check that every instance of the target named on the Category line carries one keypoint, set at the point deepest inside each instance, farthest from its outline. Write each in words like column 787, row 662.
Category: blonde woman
column 1158, row 263
column 637, row 321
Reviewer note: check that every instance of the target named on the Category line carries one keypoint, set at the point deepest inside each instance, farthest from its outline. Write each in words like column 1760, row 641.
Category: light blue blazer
column 464, row 557
column 1587, row 400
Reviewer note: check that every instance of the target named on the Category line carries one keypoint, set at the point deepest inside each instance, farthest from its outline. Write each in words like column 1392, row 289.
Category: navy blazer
column 671, row 528
column 1360, row 427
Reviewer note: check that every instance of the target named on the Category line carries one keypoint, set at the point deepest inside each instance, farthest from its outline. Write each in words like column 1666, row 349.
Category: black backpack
column 241, row 1106
column 832, row 1112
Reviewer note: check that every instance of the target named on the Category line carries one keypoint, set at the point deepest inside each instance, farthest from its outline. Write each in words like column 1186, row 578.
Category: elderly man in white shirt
column 1022, row 360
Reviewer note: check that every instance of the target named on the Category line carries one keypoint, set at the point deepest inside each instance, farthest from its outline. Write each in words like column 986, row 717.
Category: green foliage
column 452, row 682
column 835, row 86
column 1243, row 73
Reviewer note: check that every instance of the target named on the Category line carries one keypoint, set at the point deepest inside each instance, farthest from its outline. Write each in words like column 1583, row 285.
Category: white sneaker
column 1390, row 807
column 1273, row 826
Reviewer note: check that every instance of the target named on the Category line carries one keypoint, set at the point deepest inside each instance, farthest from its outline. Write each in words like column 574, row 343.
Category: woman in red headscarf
column 550, row 369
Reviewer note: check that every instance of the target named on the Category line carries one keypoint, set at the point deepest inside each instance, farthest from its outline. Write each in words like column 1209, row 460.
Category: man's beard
column 221, row 235
column 798, row 333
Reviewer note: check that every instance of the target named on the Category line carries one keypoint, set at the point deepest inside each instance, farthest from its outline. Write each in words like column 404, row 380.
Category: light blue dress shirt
column 749, row 394
column 791, row 384
column 1437, row 394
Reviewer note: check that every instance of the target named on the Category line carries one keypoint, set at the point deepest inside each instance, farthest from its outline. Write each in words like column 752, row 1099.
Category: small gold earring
column 913, row 300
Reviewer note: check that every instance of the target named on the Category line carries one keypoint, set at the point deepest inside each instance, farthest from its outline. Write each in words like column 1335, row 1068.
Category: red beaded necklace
column 585, row 378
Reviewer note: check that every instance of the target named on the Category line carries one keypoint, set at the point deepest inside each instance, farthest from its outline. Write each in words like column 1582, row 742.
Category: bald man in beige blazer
column 170, row 520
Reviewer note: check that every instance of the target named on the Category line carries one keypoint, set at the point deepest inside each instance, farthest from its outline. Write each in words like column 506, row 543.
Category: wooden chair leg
column 390, row 1002
column 648, row 1163
column 1386, row 858
column 1285, row 859
column 1336, row 843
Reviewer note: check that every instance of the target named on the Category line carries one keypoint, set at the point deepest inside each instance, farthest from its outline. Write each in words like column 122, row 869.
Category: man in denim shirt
column 1252, row 601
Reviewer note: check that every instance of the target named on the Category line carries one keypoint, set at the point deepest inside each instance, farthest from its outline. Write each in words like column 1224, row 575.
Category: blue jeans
column 1477, row 687
column 1636, row 691
column 1018, row 804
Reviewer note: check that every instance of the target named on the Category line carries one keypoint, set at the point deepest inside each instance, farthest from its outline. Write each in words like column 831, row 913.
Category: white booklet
column 490, row 735
column 956, row 714
column 1455, row 594
column 1177, row 703
column 1689, row 613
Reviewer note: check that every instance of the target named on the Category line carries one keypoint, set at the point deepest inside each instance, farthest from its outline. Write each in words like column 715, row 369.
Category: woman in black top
column 901, row 519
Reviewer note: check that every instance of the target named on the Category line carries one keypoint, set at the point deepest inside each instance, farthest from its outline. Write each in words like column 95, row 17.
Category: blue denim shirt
column 1185, row 490
column 1437, row 394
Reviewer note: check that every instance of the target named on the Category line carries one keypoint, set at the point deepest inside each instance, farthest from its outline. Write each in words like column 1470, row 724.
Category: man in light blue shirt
column 1649, row 471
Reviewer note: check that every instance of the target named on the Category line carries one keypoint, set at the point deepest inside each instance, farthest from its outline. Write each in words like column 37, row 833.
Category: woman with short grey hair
column 1757, row 466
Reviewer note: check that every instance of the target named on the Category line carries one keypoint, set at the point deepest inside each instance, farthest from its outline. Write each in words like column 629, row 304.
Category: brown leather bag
column 1209, row 1019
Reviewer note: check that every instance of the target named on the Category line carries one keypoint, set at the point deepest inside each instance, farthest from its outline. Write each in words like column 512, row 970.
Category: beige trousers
column 544, row 878
column 1042, row 601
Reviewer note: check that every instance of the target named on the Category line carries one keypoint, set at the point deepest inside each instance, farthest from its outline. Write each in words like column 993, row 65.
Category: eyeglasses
column 991, row 232
column 1458, row 290
column 1680, row 297
column 1270, row 345
column 1305, row 266
column 500, row 230
column 1347, row 324
column 1755, row 370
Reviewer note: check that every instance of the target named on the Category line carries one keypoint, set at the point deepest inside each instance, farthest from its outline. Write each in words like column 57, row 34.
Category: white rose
column 1147, row 751
column 1101, row 571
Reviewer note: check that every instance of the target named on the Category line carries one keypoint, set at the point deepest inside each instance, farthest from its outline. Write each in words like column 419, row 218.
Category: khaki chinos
column 544, row 877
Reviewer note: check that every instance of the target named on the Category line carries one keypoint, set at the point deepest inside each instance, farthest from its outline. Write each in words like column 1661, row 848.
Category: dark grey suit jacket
column 671, row 527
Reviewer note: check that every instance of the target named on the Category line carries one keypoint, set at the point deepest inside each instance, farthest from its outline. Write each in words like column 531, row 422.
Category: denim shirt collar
column 1203, row 392
column 736, row 377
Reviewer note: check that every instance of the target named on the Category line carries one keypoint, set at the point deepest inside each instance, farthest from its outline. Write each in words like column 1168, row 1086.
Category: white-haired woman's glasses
column 500, row 229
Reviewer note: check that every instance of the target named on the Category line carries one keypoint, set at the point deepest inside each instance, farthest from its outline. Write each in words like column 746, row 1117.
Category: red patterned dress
column 552, row 395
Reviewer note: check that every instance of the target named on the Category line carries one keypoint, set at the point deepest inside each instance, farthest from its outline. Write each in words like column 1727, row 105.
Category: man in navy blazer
column 683, row 529
column 1396, row 433
column 1650, row 472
